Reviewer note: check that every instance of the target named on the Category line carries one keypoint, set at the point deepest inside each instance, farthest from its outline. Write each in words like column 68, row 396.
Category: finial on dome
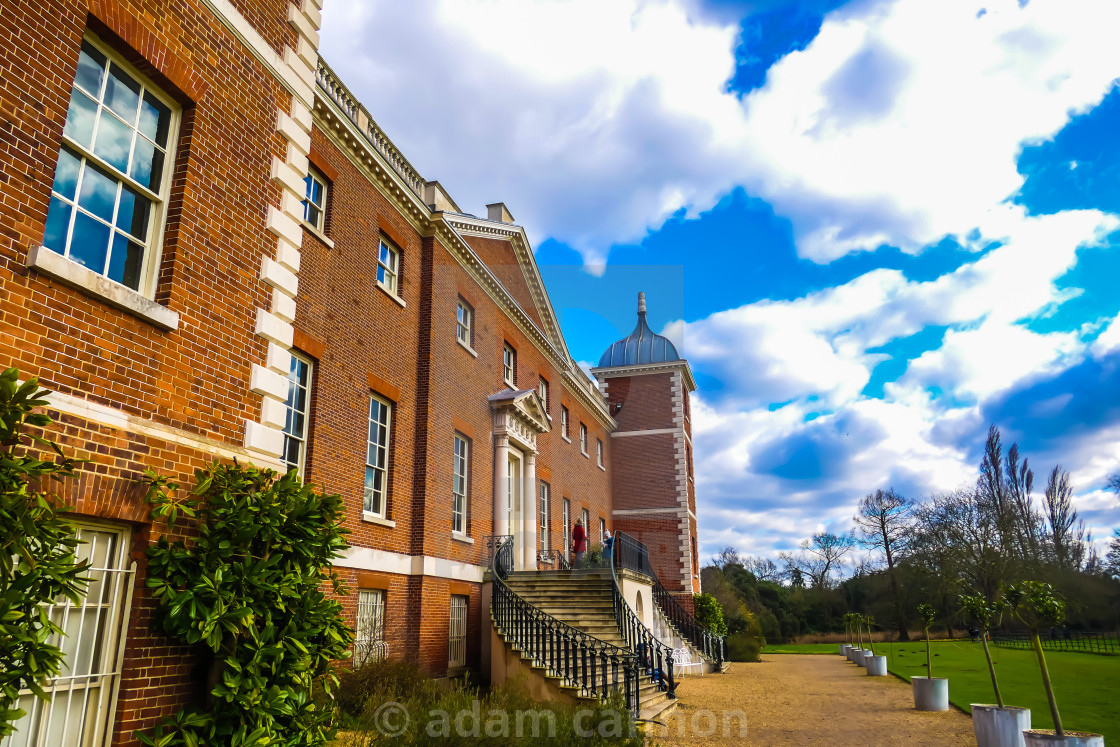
column 641, row 302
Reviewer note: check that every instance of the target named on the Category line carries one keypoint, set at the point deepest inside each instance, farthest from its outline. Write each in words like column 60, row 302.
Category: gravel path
column 805, row 699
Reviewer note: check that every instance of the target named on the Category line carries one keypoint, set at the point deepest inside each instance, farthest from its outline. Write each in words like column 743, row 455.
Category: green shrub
column 248, row 592
column 709, row 613
column 744, row 647
column 402, row 706
column 37, row 550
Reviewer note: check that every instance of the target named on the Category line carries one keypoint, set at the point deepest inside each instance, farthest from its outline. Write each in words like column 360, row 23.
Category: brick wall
column 176, row 399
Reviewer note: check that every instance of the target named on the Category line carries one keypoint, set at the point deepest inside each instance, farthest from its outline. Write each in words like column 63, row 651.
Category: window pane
column 58, row 223
column 125, row 261
column 114, row 141
column 79, row 118
column 122, row 94
column 155, row 120
column 90, row 242
column 147, row 164
column 91, row 68
column 98, row 193
column 133, row 213
column 66, row 174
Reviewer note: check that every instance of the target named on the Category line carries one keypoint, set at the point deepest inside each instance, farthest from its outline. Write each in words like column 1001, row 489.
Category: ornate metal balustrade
column 578, row 659
column 654, row 657
column 556, row 559
column 632, row 554
column 330, row 84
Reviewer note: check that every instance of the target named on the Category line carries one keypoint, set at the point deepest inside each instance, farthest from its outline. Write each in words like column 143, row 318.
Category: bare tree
column 1024, row 518
column 727, row 556
column 884, row 523
column 1114, row 483
column 1067, row 531
column 964, row 529
column 764, row 569
column 818, row 558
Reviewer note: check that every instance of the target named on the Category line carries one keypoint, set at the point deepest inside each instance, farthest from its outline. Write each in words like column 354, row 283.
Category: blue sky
column 873, row 227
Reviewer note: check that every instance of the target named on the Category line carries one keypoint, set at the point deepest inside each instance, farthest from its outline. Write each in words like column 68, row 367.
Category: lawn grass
column 1086, row 686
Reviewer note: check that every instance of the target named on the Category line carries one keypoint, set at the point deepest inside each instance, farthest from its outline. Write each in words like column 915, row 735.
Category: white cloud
column 900, row 123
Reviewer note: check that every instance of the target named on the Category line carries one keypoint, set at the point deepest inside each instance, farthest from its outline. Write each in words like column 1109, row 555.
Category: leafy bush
column 709, row 613
column 37, row 549
column 248, row 592
column 400, row 705
column 744, row 647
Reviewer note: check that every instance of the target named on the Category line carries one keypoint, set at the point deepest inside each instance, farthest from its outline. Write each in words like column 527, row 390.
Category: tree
column 1112, row 560
column 727, row 556
column 818, row 558
column 248, row 593
column 1036, row 605
column 1067, row 532
column 985, row 614
column 764, row 569
column 883, row 520
column 38, row 558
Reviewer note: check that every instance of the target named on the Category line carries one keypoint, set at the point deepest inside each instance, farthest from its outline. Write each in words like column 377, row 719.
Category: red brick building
column 210, row 250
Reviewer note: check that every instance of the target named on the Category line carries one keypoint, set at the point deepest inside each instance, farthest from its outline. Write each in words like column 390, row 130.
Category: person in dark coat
column 579, row 544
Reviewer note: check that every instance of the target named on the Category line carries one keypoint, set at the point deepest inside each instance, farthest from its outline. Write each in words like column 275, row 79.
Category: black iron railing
column 578, row 659
column 654, row 657
column 632, row 554
column 554, row 558
column 1058, row 639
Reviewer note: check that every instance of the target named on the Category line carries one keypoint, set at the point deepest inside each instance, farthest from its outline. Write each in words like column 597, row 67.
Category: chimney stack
column 498, row 211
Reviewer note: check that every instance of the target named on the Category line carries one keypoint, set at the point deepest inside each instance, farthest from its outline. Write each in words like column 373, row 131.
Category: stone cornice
column 448, row 228
column 649, row 368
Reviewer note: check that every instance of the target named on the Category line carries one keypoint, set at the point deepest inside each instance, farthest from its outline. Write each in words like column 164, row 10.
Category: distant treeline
column 976, row 540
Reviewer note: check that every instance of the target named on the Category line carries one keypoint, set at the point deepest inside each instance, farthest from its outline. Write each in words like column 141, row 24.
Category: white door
column 83, row 694
column 457, row 635
column 513, row 500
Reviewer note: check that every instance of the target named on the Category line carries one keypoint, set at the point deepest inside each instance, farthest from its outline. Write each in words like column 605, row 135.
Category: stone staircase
column 584, row 599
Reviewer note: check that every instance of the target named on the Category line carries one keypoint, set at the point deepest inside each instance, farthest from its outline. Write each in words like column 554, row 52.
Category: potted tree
column 845, row 647
column 996, row 725
column 930, row 693
column 850, row 653
column 876, row 665
column 859, row 654
column 1036, row 604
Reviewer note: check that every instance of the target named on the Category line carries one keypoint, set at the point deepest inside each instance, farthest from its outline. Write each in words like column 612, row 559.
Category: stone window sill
column 466, row 347
column 379, row 520
column 84, row 279
column 602, row 468
column 392, row 295
column 311, row 229
column 462, row 538
column 566, row 439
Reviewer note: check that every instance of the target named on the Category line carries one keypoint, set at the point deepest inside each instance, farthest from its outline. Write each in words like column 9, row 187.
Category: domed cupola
column 641, row 346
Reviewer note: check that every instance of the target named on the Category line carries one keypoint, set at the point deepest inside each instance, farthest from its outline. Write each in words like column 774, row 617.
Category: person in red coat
column 579, row 544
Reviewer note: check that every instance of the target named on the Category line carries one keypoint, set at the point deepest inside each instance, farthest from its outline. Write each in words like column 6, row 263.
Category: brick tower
column 654, row 497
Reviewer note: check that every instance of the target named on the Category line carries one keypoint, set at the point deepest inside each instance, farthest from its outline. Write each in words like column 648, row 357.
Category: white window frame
column 157, row 220
column 378, row 508
column 599, row 452
column 457, row 632
column 388, row 265
column 369, row 627
column 602, row 530
column 509, row 365
column 290, row 435
column 464, row 321
column 314, row 177
column 460, row 487
column 583, row 440
column 545, row 499
column 565, row 423
column 542, row 392
column 585, row 515
column 80, row 712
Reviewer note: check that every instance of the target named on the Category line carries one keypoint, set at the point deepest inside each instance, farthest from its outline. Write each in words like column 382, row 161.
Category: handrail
column 634, row 555
column 556, row 558
column 583, row 661
column 655, row 657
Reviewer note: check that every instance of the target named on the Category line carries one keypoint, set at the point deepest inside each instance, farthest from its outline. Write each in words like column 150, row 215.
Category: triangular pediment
column 525, row 405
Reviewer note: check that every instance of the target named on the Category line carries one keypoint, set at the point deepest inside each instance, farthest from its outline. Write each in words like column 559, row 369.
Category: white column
column 501, row 486
column 529, row 511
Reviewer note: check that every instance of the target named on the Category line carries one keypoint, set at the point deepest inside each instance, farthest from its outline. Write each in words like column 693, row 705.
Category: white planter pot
column 857, row 656
column 850, row 652
column 1047, row 738
column 930, row 694
column 876, row 665
column 999, row 727
column 842, row 647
